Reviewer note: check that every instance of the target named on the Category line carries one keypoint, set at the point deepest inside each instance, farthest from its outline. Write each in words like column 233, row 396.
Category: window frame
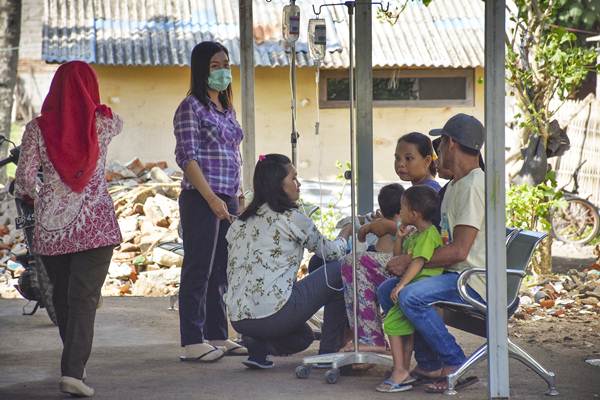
column 468, row 73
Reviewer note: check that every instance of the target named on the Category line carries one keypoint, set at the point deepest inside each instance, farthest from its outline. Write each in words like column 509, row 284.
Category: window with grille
column 408, row 88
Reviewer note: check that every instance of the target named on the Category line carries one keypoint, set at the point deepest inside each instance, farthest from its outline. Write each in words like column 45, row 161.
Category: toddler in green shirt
column 418, row 237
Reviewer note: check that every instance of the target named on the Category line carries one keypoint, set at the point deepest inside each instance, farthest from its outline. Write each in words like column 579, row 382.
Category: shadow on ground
column 135, row 357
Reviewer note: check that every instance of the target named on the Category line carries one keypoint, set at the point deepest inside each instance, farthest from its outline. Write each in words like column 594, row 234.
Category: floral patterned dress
column 370, row 273
column 66, row 221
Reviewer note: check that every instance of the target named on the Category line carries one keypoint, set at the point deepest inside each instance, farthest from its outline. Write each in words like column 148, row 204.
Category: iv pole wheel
column 302, row 372
column 332, row 375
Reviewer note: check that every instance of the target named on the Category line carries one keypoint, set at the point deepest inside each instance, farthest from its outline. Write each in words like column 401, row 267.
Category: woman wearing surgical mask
column 208, row 139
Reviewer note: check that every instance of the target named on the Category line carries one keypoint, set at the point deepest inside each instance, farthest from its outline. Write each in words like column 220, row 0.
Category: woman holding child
column 265, row 302
column 414, row 162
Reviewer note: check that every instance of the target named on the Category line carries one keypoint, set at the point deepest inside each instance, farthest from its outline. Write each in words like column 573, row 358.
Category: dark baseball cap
column 436, row 146
column 464, row 129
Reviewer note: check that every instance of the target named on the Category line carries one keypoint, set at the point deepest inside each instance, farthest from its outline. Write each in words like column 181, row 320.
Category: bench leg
column 518, row 353
column 473, row 359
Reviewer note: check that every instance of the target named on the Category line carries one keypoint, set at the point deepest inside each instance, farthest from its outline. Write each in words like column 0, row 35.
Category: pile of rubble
column 576, row 294
column 145, row 199
column 11, row 245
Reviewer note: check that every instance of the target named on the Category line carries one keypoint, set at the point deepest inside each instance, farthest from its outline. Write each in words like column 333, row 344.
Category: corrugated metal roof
column 447, row 33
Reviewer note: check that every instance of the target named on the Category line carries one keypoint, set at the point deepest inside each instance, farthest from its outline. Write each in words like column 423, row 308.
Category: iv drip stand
column 340, row 359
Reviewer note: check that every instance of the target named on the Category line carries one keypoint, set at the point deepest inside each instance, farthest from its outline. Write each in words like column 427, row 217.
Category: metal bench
column 471, row 317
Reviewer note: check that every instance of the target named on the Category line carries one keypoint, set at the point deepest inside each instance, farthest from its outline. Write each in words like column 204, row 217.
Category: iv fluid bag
column 291, row 23
column 317, row 38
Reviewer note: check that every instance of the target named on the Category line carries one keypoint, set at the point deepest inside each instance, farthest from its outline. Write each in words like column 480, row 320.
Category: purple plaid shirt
column 212, row 138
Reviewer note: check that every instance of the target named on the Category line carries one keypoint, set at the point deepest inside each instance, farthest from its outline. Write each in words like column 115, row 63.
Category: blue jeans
column 383, row 293
column 435, row 347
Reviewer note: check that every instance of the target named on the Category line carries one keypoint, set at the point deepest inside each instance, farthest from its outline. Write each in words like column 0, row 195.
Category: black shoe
column 258, row 364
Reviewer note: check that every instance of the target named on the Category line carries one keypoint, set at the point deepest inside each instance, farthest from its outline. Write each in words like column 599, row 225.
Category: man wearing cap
column 463, row 231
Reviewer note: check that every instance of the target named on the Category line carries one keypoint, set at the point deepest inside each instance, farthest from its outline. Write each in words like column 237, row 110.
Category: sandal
column 216, row 353
column 236, row 350
column 411, row 379
column 441, row 385
column 230, row 347
column 422, row 379
column 389, row 386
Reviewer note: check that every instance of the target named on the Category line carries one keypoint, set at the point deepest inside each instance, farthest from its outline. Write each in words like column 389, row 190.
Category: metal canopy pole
column 495, row 212
column 247, row 83
column 364, row 105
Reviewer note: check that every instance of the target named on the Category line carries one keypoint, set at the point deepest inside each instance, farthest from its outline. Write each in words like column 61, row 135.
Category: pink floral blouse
column 66, row 221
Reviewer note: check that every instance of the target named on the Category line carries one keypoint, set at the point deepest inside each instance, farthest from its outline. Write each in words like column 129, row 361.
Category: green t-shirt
column 420, row 244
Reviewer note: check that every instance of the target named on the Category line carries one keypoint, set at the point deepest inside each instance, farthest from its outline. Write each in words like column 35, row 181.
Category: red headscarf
column 68, row 123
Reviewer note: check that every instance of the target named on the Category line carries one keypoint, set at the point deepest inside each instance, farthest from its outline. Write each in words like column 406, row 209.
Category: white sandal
column 201, row 352
column 230, row 348
column 75, row 387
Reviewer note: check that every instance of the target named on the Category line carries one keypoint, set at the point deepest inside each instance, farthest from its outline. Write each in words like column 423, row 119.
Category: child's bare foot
column 401, row 376
column 424, row 377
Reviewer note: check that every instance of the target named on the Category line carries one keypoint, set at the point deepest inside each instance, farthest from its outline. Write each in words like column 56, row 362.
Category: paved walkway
column 135, row 357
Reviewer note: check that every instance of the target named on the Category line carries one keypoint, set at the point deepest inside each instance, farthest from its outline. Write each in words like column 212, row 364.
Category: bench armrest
column 516, row 272
column 463, row 281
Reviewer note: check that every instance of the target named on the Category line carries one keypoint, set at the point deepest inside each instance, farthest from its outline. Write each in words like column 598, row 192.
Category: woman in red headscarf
column 76, row 228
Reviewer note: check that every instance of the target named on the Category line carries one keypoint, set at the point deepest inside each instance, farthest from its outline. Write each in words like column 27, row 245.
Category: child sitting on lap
column 418, row 237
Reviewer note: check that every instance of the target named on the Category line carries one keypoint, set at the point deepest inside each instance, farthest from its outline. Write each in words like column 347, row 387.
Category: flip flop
column 201, row 358
column 238, row 350
column 389, row 386
column 441, row 385
column 411, row 379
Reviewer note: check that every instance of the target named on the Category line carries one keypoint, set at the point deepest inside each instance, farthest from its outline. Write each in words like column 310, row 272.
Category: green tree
column 544, row 63
column 580, row 14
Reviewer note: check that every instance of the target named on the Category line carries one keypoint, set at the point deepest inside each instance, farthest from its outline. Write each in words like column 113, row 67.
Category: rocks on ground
column 145, row 199
column 576, row 293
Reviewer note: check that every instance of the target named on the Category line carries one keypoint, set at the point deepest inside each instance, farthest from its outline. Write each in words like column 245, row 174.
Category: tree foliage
column 544, row 63
column 581, row 14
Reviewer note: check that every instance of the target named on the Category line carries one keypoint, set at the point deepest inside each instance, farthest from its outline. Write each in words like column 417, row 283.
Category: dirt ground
column 566, row 257
column 580, row 332
column 136, row 347
column 137, row 343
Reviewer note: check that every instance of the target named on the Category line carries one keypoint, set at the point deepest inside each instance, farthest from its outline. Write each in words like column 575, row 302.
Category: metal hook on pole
column 384, row 10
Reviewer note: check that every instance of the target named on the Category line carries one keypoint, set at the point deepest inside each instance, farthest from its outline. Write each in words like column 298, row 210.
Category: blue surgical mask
column 219, row 79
